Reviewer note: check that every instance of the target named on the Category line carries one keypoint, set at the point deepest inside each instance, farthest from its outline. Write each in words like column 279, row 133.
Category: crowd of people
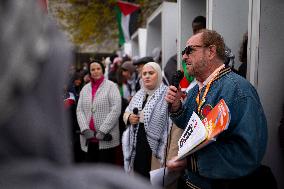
column 123, row 117
column 125, row 113
column 35, row 138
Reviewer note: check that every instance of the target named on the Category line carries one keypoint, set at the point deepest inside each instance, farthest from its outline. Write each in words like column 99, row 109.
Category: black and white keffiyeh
column 156, row 122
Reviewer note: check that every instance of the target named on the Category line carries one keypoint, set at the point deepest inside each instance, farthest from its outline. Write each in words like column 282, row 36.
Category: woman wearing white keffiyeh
column 146, row 135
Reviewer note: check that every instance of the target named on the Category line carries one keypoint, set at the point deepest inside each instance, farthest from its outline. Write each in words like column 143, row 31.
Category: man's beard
column 198, row 69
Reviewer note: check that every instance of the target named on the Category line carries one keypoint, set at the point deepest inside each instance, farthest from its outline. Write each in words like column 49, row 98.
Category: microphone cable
column 166, row 153
column 177, row 77
column 135, row 111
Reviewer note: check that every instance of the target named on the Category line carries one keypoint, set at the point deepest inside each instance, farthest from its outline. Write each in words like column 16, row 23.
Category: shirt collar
column 201, row 84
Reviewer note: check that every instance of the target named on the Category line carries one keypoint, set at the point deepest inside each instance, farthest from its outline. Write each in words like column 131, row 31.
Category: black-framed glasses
column 189, row 49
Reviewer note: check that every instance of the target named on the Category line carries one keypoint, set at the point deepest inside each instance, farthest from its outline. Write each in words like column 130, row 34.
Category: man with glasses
column 238, row 151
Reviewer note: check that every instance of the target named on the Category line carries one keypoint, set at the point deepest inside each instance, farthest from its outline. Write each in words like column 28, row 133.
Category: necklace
column 218, row 75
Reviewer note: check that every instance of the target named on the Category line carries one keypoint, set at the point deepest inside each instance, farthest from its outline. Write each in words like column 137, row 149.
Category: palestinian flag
column 123, row 13
column 187, row 79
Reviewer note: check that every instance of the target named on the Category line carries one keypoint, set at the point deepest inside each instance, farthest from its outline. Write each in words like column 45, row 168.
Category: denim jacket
column 238, row 150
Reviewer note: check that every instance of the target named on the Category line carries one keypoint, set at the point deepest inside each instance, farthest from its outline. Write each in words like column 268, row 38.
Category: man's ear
column 212, row 51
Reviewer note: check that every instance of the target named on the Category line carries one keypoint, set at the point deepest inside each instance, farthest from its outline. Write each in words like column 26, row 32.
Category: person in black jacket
column 243, row 56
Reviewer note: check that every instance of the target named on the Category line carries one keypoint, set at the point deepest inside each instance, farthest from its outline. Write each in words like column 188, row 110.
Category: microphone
column 135, row 111
column 177, row 77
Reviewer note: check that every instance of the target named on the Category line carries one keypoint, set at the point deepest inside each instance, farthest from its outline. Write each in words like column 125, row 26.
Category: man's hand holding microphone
column 173, row 95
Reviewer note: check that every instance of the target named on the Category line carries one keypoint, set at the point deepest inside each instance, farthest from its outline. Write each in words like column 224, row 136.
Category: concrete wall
column 135, row 45
column 138, row 43
column 154, row 32
column 169, row 31
column 230, row 19
column 187, row 11
column 270, row 79
column 162, row 31
column 142, row 37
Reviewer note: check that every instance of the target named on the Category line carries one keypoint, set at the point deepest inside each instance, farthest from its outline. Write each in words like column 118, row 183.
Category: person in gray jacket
column 98, row 111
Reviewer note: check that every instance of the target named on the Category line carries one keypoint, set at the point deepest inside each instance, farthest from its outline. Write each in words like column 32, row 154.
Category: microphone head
column 177, row 77
column 135, row 111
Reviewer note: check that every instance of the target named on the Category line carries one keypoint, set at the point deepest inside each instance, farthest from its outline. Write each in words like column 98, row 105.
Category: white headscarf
column 157, row 68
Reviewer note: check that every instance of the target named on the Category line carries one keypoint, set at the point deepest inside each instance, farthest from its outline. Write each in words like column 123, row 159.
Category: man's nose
column 184, row 57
